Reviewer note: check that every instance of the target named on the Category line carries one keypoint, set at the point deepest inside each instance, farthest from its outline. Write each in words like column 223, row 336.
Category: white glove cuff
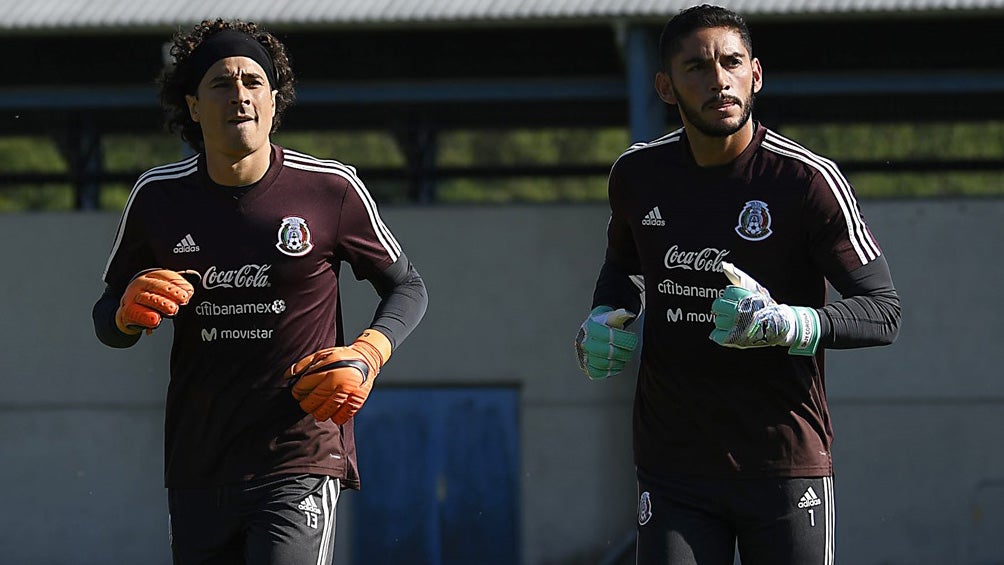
column 806, row 331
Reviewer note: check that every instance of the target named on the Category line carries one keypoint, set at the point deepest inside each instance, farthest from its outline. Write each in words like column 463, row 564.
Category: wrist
column 804, row 333
column 607, row 316
column 374, row 347
column 601, row 309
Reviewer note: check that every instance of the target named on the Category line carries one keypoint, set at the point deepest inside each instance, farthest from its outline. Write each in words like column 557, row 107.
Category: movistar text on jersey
column 211, row 334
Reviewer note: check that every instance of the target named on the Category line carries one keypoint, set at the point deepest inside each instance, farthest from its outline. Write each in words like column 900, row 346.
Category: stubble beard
column 716, row 128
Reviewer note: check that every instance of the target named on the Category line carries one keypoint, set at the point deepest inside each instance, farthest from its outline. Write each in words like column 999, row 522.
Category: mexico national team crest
column 294, row 237
column 644, row 508
column 754, row 221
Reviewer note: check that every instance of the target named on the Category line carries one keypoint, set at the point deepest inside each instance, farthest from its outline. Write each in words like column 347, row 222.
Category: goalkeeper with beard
column 732, row 434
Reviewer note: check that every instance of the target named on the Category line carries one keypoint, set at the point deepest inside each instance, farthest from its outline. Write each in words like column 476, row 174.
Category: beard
column 716, row 128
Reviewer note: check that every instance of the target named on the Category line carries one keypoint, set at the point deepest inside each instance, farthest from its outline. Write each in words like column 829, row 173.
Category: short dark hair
column 176, row 78
column 695, row 18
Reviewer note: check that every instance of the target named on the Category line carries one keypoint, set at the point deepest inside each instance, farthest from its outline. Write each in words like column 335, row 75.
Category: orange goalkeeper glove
column 149, row 297
column 335, row 382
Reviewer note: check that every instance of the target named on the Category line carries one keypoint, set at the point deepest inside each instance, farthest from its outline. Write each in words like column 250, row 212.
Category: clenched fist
column 336, row 381
column 149, row 297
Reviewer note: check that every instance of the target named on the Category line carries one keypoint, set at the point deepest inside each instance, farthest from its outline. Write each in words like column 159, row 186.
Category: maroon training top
column 268, row 296
column 784, row 215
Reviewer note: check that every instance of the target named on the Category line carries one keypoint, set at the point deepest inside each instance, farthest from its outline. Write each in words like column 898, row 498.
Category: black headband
column 228, row 43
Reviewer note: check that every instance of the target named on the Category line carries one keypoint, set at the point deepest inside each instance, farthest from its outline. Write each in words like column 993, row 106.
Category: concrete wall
column 920, row 470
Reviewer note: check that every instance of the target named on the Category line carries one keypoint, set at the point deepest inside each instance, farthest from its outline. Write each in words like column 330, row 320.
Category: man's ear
column 664, row 88
column 757, row 75
column 193, row 107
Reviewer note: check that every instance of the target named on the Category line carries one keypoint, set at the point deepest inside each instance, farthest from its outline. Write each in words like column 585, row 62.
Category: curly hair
column 176, row 77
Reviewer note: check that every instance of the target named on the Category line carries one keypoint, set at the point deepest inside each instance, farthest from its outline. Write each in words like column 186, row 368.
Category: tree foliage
column 379, row 154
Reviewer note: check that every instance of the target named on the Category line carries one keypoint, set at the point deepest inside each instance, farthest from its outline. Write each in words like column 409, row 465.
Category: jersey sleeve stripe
column 169, row 168
column 844, row 187
column 349, row 174
column 165, row 172
column 670, row 137
column 296, row 156
column 387, row 240
column 861, row 240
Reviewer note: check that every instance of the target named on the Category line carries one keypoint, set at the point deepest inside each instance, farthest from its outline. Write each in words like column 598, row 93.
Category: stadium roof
column 121, row 15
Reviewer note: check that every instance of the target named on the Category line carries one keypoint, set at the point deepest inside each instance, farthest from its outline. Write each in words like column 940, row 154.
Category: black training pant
column 699, row 521
column 282, row 520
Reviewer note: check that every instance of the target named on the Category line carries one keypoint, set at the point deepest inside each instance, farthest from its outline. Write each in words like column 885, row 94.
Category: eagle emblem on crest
column 754, row 221
column 294, row 237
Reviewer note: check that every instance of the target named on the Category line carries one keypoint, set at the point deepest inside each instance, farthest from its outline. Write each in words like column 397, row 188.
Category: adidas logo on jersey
column 653, row 218
column 809, row 499
column 186, row 245
column 308, row 505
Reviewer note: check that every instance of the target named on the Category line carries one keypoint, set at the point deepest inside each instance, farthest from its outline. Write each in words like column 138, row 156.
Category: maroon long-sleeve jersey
column 790, row 219
column 268, row 261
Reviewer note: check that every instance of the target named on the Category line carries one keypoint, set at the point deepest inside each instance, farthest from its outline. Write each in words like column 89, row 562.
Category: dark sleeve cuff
column 103, row 315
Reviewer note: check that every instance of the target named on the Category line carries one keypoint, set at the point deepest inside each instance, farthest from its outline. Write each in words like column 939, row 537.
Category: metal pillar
column 86, row 159
column 419, row 143
column 647, row 113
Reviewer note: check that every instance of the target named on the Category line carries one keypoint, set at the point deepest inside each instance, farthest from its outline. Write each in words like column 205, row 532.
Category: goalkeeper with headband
column 730, row 234
column 241, row 246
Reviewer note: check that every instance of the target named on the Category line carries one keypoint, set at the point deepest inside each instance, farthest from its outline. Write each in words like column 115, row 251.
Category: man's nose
column 240, row 95
column 719, row 80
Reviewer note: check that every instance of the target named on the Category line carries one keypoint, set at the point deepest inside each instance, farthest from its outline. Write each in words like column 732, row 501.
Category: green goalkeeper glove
column 746, row 316
column 602, row 346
